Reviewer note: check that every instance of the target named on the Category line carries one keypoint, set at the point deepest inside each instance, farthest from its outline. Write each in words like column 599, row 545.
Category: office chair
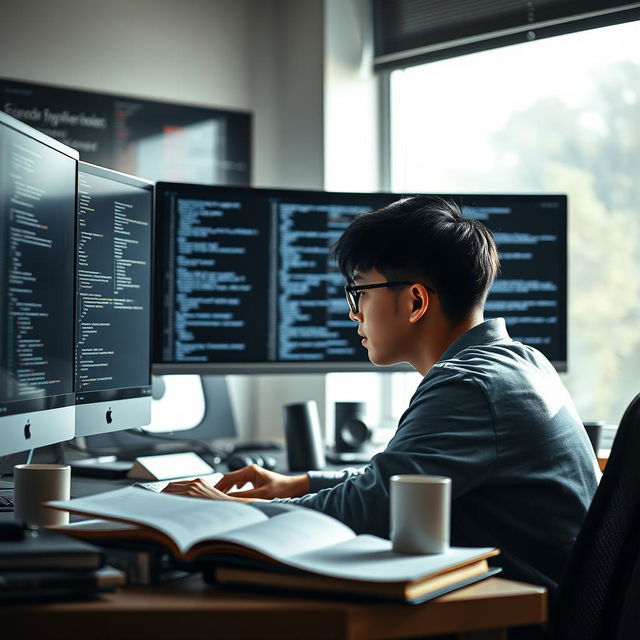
column 600, row 570
column 629, row 623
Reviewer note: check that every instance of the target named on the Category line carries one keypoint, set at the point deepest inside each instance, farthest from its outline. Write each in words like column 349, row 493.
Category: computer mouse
column 236, row 461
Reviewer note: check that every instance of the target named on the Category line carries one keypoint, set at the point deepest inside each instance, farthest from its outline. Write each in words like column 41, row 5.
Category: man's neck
column 441, row 337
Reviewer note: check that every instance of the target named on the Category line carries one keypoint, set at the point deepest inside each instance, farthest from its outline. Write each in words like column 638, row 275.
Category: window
column 560, row 115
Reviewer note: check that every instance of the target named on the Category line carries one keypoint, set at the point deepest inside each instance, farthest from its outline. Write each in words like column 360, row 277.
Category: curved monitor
column 37, row 232
column 244, row 283
column 113, row 305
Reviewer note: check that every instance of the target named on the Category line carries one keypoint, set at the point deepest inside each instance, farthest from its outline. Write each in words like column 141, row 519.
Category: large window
column 560, row 115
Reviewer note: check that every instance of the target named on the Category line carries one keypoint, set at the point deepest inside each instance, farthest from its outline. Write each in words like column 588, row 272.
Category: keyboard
column 158, row 485
column 6, row 502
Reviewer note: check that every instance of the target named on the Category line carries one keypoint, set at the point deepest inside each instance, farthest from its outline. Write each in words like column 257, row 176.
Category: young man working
column 490, row 413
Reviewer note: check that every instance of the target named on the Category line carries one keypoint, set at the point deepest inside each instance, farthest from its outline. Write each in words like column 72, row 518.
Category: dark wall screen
column 114, row 285
column 244, row 281
column 147, row 138
column 37, row 230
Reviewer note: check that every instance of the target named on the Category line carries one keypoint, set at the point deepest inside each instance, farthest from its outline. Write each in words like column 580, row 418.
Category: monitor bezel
column 130, row 406
column 221, row 368
column 38, row 422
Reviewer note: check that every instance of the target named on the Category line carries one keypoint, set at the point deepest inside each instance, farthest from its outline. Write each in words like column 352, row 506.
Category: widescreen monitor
column 244, row 282
column 113, row 303
column 37, row 232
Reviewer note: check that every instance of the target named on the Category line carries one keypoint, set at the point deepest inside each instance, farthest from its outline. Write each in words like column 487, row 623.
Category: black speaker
column 594, row 431
column 302, row 433
column 351, row 431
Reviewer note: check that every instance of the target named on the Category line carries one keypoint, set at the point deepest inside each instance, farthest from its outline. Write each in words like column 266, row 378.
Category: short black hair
column 426, row 239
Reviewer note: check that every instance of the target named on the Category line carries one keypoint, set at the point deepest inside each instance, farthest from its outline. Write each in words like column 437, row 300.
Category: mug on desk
column 420, row 513
column 35, row 484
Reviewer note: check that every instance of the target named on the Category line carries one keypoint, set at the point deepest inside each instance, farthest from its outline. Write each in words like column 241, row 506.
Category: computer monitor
column 244, row 282
column 113, row 303
column 37, row 233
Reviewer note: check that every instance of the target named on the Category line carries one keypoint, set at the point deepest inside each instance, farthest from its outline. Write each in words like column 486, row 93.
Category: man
column 490, row 413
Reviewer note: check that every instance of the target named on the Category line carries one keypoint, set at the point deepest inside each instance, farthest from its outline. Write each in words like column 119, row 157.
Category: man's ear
column 419, row 302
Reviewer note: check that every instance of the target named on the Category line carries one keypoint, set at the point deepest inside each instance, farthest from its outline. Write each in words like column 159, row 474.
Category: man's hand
column 199, row 488
column 266, row 484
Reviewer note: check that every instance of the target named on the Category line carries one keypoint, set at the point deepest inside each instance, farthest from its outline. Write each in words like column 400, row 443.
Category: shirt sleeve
column 447, row 430
column 326, row 479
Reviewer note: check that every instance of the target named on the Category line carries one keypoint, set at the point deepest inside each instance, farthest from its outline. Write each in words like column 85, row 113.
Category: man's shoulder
column 486, row 373
column 493, row 361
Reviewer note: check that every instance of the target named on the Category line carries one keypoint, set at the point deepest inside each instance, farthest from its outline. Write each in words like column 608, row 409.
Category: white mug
column 35, row 484
column 420, row 513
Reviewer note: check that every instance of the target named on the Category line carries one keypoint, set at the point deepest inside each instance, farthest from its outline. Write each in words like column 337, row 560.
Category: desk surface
column 189, row 609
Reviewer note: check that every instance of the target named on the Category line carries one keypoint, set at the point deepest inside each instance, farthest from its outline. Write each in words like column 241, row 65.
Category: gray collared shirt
column 493, row 415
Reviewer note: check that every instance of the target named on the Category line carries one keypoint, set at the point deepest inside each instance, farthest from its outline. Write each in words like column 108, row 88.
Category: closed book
column 54, row 585
column 48, row 550
column 270, row 535
column 410, row 590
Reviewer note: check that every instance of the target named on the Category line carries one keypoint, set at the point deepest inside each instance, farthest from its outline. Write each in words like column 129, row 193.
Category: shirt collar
column 488, row 331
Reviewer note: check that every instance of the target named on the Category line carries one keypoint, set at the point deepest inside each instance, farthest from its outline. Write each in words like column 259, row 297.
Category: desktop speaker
column 351, row 431
column 302, row 433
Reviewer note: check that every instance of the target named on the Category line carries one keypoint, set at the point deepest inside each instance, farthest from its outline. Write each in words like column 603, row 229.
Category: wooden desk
column 190, row 610
column 603, row 457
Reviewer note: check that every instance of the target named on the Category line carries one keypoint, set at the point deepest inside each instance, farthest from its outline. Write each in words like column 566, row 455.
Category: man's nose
column 353, row 316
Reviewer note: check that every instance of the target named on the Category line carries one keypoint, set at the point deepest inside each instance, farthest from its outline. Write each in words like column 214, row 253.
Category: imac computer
column 244, row 282
column 113, row 301
column 37, row 287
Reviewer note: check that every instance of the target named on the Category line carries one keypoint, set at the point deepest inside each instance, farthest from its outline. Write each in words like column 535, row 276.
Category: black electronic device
column 259, row 445
column 37, row 233
column 113, row 301
column 239, row 461
column 351, row 431
column 244, row 282
column 101, row 467
column 304, row 440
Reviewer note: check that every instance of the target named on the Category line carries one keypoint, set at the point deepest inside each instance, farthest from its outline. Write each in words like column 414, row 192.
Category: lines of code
column 37, row 212
column 313, row 323
column 526, row 294
column 114, row 284
column 220, row 300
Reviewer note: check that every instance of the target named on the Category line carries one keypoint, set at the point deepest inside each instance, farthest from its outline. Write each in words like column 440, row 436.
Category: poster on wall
column 146, row 138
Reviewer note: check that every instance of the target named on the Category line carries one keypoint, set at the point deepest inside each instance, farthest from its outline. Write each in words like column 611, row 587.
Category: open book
column 247, row 543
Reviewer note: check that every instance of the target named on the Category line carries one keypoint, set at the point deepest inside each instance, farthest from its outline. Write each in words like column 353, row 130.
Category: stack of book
column 45, row 565
column 143, row 562
column 271, row 545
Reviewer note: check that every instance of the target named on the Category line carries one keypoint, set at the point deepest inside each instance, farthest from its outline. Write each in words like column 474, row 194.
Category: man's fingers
column 230, row 480
column 251, row 493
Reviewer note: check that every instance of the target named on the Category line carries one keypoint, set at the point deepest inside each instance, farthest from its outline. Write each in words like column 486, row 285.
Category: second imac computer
column 245, row 283
column 113, row 304
column 37, row 232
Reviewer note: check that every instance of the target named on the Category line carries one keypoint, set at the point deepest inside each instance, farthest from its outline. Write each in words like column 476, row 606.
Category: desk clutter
column 261, row 545
column 38, row 565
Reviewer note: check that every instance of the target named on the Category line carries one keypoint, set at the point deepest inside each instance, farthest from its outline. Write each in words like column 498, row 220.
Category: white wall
column 265, row 56
column 351, row 96
column 192, row 51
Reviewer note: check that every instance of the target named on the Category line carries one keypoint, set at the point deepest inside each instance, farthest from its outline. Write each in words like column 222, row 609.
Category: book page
column 291, row 533
column 370, row 558
column 186, row 521
column 98, row 526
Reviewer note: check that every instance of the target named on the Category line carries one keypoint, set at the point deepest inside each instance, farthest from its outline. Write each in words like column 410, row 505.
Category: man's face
column 382, row 320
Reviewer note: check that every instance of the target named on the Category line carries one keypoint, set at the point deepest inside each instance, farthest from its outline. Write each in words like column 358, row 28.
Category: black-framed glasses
column 352, row 291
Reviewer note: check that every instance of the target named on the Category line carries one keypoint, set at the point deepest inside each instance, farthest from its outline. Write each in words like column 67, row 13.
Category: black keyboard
column 6, row 502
